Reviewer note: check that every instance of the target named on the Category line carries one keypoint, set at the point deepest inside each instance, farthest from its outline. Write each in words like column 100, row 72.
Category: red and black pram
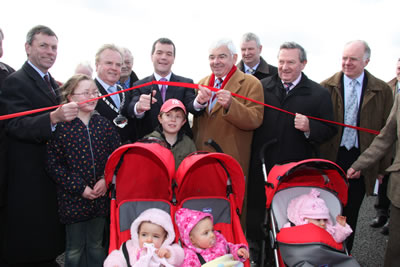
column 306, row 245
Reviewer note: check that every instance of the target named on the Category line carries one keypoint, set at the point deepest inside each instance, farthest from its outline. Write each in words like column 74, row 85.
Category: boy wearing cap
column 172, row 117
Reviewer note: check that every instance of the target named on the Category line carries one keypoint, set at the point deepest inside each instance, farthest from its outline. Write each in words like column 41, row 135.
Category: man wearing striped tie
column 229, row 120
column 296, row 136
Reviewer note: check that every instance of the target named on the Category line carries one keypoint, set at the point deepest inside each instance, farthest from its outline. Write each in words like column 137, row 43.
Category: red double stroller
column 142, row 176
column 305, row 245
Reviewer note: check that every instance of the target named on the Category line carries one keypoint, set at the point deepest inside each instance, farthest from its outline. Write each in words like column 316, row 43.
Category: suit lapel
column 103, row 91
column 40, row 83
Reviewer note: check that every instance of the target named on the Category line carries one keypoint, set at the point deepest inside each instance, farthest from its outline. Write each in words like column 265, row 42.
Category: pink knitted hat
column 307, row 206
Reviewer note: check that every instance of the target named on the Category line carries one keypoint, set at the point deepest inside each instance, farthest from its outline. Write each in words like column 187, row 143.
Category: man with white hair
column 84, row 68
column 128, row 76
column 228, row 120
column 359, row 99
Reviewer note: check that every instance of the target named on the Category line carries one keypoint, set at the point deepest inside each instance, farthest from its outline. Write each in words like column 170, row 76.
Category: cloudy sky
column 321, row 27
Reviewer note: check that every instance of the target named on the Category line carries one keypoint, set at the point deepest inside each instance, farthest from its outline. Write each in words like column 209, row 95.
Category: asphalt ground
column 369, row 244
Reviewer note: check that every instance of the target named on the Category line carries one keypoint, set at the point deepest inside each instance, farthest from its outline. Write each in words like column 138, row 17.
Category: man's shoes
column 378, row 221
column 385, row 229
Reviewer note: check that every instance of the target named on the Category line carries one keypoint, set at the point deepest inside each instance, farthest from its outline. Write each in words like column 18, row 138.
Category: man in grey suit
column 147, row 101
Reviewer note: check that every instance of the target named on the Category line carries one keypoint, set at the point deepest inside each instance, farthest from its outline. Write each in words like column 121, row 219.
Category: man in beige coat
column 380, row 148
column 374, row 100
column 228, row 120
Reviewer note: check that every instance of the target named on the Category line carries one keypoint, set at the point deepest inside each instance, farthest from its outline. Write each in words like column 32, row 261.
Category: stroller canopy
column 308, row 173
column 141, row 170
column 210, row 174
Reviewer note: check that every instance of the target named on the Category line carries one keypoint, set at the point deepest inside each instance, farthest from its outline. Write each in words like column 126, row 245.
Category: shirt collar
column 253, row 68
column 126, row 83
column 106, row 85
column 295, row 82
column 38, row 70
column 359, row 79
column 158, row 77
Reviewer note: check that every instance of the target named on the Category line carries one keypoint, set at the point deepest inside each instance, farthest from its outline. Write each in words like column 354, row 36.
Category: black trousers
column 356, row 191
column 382, row 201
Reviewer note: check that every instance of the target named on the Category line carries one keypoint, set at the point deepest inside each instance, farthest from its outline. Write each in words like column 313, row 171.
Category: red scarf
column 212, row 78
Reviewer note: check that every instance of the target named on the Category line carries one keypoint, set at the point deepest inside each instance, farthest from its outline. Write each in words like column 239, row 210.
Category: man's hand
column 144, row 102
column 301, row 123
column 353, row 174
column 224, row 98
column 203, row 95
column 66, row 112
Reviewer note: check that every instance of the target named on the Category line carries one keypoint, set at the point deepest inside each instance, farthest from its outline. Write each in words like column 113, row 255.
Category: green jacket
column 182, row 147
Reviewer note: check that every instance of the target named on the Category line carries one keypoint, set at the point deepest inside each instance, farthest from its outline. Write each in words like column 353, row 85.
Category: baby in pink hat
column 310, row 208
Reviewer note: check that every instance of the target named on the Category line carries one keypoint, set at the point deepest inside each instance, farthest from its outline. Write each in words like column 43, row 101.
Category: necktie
column 250, row 71
column 163, row 89
column 349, row 137
column 47, row 80
column 115, row 98
column 217, row 84
column 287, row 87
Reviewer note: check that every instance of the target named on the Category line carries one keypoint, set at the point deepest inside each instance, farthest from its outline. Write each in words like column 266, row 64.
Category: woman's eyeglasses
column 88, row 93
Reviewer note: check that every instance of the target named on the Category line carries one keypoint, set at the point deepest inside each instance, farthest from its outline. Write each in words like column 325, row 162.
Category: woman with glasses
column 77, row 155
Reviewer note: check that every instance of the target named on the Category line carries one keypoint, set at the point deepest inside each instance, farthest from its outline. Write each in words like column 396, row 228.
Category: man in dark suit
column 128, row 76
column 290, row 89
column 33, row 235
column 252, row 61
column 108, row 67
column 5, row 70
column 163, row 56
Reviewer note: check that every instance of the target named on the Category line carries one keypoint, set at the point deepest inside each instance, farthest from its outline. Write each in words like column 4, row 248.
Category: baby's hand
column 341, row 220
column 164, row 253
column 243, row 253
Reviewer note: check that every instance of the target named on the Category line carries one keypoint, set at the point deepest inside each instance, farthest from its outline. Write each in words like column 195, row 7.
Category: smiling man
column 228, row 120
column 373, row 100
column 128, row 76
column 31, row 223
column 252, row 61
column 291, row 90
column 147, row 101
column 108, row 67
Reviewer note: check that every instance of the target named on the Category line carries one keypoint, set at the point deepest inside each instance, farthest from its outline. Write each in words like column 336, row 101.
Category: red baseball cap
column 171, row 104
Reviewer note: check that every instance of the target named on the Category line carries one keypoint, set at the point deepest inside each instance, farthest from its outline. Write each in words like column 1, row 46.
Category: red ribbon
column 188, row 85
